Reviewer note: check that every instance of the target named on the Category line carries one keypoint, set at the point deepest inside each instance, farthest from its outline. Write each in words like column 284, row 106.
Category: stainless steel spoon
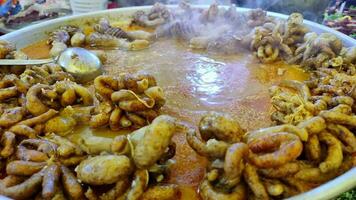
column 81, row 63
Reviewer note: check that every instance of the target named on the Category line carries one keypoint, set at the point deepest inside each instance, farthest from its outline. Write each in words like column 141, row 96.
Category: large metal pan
column 32, row 34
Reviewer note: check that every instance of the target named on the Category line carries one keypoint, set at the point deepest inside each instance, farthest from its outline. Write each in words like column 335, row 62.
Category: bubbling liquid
column 194, row 83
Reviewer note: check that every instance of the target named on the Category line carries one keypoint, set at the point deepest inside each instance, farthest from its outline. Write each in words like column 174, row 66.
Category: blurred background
column 15, row 14
column 313, row 9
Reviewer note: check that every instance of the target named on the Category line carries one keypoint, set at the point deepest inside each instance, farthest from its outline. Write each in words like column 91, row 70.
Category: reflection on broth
column 207, row 76
column 194, row 82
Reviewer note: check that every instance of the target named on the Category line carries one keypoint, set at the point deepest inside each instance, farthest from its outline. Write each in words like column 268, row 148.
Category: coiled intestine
column 104, row 27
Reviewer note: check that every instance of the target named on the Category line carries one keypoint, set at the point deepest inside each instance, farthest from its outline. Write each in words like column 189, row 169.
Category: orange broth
column 194, row 83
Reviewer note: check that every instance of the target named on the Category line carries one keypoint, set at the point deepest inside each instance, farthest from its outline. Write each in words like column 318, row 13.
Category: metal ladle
column 81, row 63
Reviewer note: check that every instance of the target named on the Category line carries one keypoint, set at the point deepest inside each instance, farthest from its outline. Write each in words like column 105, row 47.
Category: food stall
column 174, row 100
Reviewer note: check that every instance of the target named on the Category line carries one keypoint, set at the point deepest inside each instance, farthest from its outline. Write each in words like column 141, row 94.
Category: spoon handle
column 25, row 62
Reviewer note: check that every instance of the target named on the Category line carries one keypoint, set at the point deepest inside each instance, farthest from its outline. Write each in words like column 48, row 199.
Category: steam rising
column 311, row 9
column 217, row 29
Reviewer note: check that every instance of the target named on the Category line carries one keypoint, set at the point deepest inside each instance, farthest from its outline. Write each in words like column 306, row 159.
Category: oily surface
column 194, row 82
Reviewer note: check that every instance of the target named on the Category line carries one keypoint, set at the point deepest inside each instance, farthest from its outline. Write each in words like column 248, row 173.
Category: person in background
column 9, row 7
